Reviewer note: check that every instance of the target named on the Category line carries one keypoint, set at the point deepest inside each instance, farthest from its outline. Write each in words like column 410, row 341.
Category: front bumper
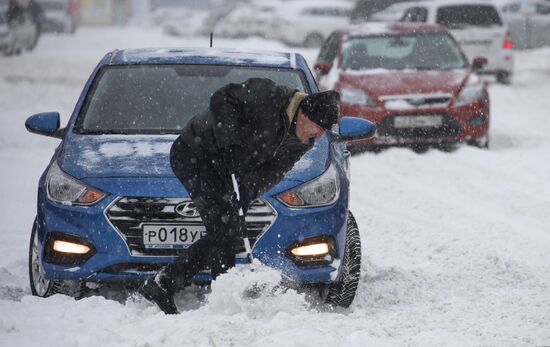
column 460, row 123
column 115, row 260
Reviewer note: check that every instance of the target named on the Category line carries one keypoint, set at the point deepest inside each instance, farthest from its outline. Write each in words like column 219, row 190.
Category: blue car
column 110, row 209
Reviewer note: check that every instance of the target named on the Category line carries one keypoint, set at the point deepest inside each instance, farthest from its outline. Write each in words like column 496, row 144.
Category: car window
column 511, row 8
column 329, row 49
column 542, row 9
column 462, row 16
column 416, row 15
column 327, row 11
column 425, row 51
column 142, row 99
column 53, row 6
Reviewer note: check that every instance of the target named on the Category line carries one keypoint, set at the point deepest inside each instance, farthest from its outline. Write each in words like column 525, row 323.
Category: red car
column 412, row 80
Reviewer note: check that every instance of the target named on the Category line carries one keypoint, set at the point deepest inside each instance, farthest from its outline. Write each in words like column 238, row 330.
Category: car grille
column 126, row 214
column 450, row 127
column 416, row 100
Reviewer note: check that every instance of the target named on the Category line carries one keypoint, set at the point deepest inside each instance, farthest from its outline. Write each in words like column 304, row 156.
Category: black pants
column 212, row 193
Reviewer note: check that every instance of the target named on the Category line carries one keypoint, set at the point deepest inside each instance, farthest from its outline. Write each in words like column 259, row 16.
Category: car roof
column 381, row 28
column 299, row 4
column 204, row 56
column 440, row 3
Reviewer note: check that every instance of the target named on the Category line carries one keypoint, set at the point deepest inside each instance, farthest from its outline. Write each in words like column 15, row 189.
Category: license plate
column 417, row 121
column 171, row 236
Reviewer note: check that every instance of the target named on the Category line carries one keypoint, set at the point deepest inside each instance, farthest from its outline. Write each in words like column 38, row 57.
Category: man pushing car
column 253, row 133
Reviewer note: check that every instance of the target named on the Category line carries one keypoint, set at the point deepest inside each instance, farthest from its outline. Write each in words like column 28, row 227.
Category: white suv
column 476, row 24
column 309, row 22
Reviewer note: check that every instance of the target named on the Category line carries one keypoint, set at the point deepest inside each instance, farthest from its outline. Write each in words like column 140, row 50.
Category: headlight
column 321, row 191
column 473, row 90
column 67, row 190
column 354, row 96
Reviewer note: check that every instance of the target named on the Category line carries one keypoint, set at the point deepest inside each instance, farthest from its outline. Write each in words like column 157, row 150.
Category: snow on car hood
column 385, row 82
column 116, row 156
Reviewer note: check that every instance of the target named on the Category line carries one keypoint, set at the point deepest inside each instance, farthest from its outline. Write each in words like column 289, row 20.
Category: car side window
column 511, row 8
column 542, row 9
column 333, row 12
column 468, row 15
column 329, row 49
column 416, row 15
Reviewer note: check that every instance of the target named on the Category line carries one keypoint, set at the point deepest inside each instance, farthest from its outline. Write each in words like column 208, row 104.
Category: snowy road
column 456, row 244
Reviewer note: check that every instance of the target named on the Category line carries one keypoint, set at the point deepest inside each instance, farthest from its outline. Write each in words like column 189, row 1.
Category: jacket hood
column 381, row 82
column 93, row 157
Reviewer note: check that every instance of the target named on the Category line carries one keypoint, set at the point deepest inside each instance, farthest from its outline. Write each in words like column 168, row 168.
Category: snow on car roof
column 299, row 4
column 378, row 28
column 440, row 3
column 219, row 56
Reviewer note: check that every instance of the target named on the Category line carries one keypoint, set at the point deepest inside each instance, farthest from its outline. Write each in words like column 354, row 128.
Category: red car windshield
column 421, row 51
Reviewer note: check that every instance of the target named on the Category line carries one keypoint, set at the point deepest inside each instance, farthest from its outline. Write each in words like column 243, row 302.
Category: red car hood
column 384, row 82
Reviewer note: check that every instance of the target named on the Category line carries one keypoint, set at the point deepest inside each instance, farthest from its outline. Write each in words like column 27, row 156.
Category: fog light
column 70, row 247
column 311, row 250
column 314, row 251
column 65, row 249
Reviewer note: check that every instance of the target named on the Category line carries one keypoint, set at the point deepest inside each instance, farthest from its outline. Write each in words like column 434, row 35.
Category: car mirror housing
column 478, row 63
column 354, row 128
column 46, row 123
column 322, row 68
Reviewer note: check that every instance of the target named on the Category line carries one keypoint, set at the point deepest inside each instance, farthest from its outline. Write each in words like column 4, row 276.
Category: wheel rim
column 41, row 284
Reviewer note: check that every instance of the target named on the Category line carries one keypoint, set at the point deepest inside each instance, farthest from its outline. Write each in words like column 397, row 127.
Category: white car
column 310, row 22
column 256, row 18
column 476, row 24
column 529, row 22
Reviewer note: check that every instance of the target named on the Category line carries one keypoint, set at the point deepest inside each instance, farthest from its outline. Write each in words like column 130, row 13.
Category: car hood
column 385, row 82
column 147, row 156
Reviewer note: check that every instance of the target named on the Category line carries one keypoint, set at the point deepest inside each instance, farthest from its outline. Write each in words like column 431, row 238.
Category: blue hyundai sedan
column 110, row 209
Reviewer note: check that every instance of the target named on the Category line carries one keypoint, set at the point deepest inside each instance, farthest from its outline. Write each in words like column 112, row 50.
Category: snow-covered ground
column 456, row 245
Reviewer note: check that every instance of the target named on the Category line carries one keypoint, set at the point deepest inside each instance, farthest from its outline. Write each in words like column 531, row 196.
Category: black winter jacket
column 252, row 116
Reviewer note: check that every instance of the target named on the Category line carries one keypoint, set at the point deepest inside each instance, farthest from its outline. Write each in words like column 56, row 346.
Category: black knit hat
column 322, row 108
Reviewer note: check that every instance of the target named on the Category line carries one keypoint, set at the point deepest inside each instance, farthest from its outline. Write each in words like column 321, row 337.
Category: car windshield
column 161, row 99
column 420, row 51
column 463, row 16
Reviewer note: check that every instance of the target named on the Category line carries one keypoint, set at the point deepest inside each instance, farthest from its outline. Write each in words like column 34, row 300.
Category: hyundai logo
column 187, row 209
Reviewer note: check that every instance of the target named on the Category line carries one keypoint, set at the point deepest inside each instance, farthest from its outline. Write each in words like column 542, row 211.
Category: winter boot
column 153, row 291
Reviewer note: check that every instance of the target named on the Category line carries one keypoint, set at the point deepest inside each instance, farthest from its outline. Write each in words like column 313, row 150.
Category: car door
column 327, row 54
column 541, row 24
column 477, row 27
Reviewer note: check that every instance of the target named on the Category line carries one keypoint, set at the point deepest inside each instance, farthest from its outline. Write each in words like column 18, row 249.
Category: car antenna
column 211, row 38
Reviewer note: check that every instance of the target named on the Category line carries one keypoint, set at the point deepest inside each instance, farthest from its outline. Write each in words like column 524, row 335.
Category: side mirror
column 478, row 63
column 354, row 128
column 46, row 123
column 322, row 68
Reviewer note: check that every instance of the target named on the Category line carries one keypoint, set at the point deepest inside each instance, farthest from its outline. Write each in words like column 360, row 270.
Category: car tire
column 504, row 77
column 42, row 287
column 342, row 292
column 313, row 40
column 482, row 142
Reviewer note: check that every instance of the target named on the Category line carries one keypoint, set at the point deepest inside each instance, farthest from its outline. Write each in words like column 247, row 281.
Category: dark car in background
column 20, row 27
column 412, row 80
column 60, row 16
